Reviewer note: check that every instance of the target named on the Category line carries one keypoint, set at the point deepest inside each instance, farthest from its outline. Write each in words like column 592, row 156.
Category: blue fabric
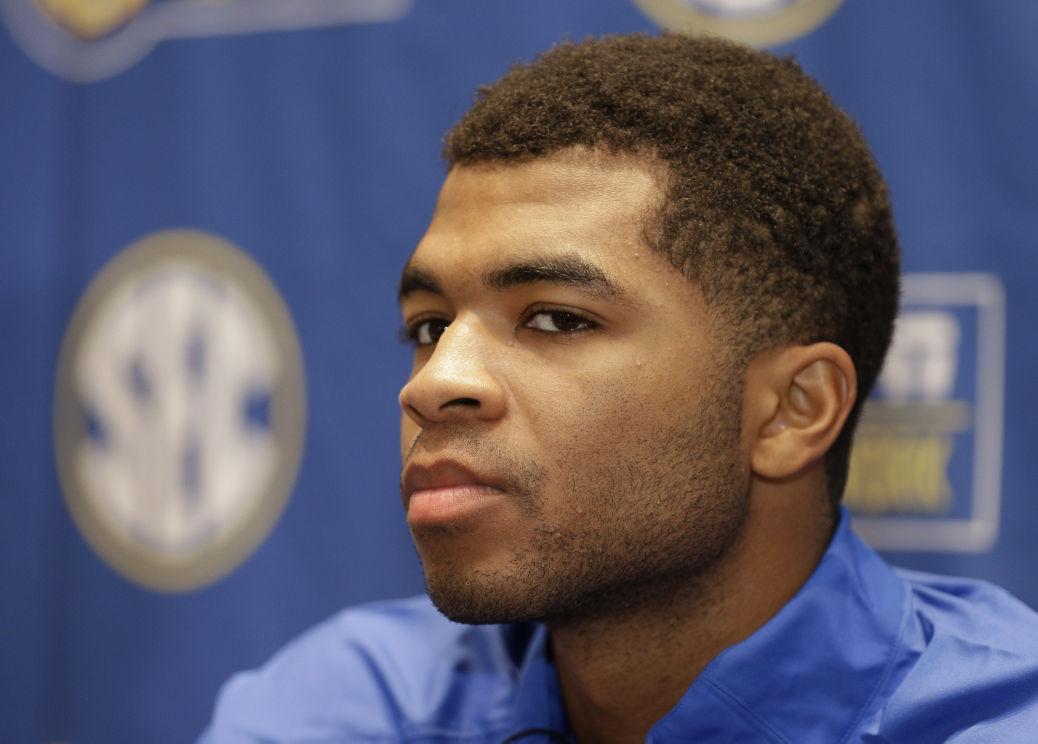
column 863, row 653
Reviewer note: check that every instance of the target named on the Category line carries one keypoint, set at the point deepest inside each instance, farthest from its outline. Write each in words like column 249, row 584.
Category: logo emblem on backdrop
column 89, row 40
column 179, row 410
column 89, row 19
column 755, row 22
column 926, row 466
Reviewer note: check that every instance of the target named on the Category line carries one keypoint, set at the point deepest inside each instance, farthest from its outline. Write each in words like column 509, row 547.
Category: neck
column 621, row 673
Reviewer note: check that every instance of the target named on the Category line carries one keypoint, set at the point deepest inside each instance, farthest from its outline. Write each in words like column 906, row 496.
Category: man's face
column 570, row 435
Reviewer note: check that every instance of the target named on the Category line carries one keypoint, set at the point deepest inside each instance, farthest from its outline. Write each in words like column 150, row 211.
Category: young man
column 659, row 281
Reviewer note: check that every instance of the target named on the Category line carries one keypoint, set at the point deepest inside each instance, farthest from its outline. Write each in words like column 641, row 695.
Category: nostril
column 413, row 411
column 466, row 402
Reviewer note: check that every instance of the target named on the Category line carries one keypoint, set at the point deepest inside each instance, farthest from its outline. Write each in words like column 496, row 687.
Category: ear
column 798, row 399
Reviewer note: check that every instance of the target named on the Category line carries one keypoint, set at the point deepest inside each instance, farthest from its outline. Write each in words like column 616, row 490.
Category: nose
column 455, row 383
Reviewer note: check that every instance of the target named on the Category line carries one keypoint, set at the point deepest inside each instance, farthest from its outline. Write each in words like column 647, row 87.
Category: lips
column 445, row 491
column 440, row 474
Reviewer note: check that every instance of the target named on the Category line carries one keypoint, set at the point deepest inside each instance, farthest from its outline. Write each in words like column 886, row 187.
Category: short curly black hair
column 773, row 203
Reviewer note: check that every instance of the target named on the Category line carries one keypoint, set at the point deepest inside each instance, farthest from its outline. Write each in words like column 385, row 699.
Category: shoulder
column 973, row 613
column 971, row 664
column 387, row 671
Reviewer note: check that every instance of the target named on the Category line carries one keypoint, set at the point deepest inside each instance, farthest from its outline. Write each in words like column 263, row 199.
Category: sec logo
column 755, row 22
column 179, row 410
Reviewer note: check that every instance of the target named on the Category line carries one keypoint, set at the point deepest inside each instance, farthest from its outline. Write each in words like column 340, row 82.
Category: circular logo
column 755, row 22
column 179, row 410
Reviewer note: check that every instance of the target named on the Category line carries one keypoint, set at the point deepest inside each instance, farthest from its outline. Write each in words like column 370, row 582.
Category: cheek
column 564, row 409
column 611, row 397
column 591, row 427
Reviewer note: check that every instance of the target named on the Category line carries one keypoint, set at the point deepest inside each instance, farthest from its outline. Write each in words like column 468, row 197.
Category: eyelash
column 411, row 333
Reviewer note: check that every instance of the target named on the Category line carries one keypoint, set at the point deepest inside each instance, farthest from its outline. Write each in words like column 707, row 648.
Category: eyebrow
column 415, row 280
column 570, row 271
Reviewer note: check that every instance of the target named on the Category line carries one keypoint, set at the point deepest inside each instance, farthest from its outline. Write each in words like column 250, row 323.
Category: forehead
column 573, row 202
column 572, row 178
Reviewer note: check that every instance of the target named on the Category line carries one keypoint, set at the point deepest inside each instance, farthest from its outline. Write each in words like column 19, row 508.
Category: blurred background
column 204, row 209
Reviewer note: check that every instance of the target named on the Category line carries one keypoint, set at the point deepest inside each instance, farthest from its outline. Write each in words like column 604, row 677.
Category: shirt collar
column 538, row 699
column 809, row 674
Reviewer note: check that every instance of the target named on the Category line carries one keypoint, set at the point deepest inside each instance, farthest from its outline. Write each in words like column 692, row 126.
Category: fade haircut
column 773, row 204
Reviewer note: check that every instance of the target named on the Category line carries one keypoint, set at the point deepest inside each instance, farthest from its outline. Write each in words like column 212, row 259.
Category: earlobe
column 810, row 391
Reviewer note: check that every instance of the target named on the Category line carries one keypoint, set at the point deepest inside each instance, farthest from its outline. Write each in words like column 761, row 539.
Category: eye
column 424, row 332
column 558, row 321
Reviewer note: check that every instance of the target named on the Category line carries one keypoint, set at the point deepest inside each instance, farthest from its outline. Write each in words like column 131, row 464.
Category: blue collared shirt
column 862, row 653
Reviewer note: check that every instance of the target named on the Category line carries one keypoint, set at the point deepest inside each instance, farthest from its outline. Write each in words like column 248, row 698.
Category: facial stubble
column 661, row 512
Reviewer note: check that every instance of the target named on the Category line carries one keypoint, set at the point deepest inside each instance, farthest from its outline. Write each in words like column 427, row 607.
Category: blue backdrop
column 307, row 134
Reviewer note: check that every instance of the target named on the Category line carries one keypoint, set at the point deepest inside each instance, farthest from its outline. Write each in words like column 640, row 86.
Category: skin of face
column 571, row 428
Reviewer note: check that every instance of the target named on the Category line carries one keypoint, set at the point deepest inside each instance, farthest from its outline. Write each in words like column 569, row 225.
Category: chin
column 480, row 598
column 471, row 603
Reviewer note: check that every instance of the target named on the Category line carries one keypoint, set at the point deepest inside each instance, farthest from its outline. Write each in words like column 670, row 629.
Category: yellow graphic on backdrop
column 900, row 474
column 905, row 440
column 925, row 471
column 91, row 19
column 89, row 40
